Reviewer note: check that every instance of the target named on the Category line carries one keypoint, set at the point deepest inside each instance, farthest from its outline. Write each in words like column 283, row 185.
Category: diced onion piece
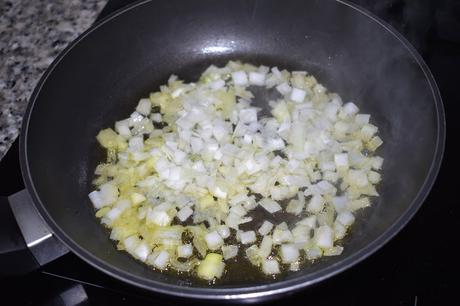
column 341, row 161
column 334, row 251
column 298, row 95
column 184, row 251
column 358, row 178
column 301, row 234
column 137, row 198
column 211, row 267
column 213, row 240
column 159, row 260
column 350, row 109
column 184, row 213
column 257, row 78
column 373, row 177
column 229, row 251
column 316, row 204
column 368, row 131
column 265, row 247
column 142, row 250
column 313, row 253
column 324, row 237
column 252, row 253
column 265, row 228
column 156, row 117
column 96, row 199
column 374, row 143
column 284, row 88
column 358, row 204
column 131, row 243
column 144, row 107
column 289, row 253
column 295, row 266
column 270, row 205
column 218, row 84
column 295, row 207
column 122, row 128
column 109, row 193
column 346, row 218
column 247, row 237
column 240, row 78
column 362, row 119
column 282, row 236
column 248, row 115
column 270, row 266
column 309, row 221
column 160, row 218
column 223, row 231
column 340, row 203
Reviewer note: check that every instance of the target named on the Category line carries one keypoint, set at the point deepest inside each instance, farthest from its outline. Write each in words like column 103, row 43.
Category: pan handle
column 26, row 243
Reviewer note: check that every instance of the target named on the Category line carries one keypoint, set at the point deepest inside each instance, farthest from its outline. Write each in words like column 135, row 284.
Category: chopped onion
column 270, row 266
column 240, row 78
column 214, row 155
column 289, row 253
column 270, row 205
column 214, row 240
column 265, row 228
column 185, row 250
column 229, row 251
column 298, row 95
column 211, row 267
column 324, row 237
column 257, row 78
column 247, row 237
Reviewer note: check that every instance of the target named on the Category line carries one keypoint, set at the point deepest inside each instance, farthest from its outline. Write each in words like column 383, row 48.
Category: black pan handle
column 26, row 243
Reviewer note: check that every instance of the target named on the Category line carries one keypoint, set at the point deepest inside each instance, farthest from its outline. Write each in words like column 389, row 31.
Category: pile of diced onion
column 188, row 168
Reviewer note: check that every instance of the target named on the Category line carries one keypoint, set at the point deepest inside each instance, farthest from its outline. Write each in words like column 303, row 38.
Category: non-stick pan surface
column 100, row 77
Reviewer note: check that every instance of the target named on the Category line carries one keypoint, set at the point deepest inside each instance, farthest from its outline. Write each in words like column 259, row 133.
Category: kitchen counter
column 32, row 33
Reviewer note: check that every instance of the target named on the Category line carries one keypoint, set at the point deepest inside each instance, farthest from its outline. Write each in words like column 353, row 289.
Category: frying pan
column 100, row 77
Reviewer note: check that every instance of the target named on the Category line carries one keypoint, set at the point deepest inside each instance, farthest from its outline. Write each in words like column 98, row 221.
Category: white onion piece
column 229, row 251
column 270, row 266
column 184, row 213
column 214, row 240
column 156, row 117
column 247, row 237
column 346, row 218
column 284, row 88
column 324, row 237
column 223, row 231
column 313, row 253
column 257, row 78
column 265, row 247
column 144, row 107
column 289, row 253
column 265, row 228
column 298, row 95
column 185, row 250
column 270, row 205
column 316, row 204
column 240, row 78
column 159, row 260
column 142, row 251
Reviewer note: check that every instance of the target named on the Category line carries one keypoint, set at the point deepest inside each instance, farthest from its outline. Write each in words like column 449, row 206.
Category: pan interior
column 102, row 77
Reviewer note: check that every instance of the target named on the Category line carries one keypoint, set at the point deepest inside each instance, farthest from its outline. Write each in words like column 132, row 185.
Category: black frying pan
column 99, row 78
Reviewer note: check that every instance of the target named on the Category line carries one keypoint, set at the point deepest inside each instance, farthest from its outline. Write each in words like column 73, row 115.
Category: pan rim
column 244, row 292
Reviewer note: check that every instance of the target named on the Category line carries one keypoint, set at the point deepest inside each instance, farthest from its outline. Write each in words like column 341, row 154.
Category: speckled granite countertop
column 32, row 33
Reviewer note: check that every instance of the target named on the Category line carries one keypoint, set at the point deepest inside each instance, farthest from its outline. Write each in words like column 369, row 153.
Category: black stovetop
column 415, row 268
